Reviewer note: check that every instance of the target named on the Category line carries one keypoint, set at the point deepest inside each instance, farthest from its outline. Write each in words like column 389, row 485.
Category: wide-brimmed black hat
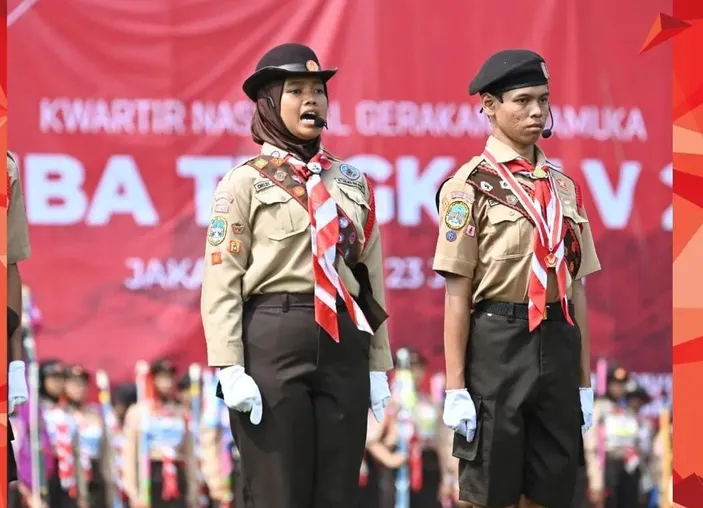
column 282, row 62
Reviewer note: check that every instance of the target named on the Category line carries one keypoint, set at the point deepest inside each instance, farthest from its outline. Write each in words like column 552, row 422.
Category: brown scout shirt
column 266, row 248
column 494, row 246
column 17, row 227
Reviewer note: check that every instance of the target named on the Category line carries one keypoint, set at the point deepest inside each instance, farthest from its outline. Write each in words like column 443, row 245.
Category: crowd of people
column 170, row 432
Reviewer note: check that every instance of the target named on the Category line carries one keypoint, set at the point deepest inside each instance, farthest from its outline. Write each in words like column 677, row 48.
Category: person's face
column 521, row 115
column 302, row 98
column 75, row 389
column 163, row 382
column 54, row 385
column 616, row 389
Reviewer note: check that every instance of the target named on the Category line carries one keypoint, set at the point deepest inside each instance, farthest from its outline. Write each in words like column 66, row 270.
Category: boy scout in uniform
column 514, row 243
column 17, row 250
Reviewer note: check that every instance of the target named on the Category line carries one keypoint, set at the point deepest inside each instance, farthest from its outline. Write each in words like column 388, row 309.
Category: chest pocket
column 512, row 233
column 355, row 205
column 278, row 215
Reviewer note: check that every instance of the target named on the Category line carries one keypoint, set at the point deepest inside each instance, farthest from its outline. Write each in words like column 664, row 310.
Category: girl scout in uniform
column 292, row 296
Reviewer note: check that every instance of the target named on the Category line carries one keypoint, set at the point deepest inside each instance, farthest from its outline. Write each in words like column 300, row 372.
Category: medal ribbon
column 546, row 214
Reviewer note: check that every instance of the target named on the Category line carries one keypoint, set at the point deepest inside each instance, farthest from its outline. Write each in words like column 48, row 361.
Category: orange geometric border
column 3, row 255
column 685, row 29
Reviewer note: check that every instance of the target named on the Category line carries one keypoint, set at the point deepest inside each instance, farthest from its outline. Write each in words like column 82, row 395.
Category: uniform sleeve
column 457, row 246
column 17, row 226
column 226, row 253
column 380, row 357
column 589, row 258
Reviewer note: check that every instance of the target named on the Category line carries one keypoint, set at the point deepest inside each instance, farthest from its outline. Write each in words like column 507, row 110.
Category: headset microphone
column 546, row 133
column 320, row 122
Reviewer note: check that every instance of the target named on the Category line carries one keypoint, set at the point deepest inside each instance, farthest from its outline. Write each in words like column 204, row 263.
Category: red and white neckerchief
column 170, row 489
column 546, row 214
column 324, row 232
column 63, row 443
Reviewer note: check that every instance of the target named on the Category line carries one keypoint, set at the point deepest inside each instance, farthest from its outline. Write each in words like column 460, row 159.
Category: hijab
column 267, row 125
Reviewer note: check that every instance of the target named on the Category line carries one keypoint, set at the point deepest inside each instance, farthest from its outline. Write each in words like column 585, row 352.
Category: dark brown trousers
column 525, row 386
column 307, row 450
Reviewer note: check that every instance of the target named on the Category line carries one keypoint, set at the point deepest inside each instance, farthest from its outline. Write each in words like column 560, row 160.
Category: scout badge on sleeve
column 457, row 215
column 217, row 231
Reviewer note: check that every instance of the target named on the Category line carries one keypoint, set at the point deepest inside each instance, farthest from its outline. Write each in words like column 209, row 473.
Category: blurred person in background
column 381, row 461
column 161, row 418
column 515, row 323
column 123, row 396
column 17, row 250
column 617, row 483
column 427, row 418
column 95, row 446
column 220, row 458
column 66, row 490
column 298, row 332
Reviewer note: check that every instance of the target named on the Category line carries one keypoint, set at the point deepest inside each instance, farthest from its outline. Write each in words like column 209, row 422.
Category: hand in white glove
column 586, row 396
column 241, row 393
column 17, row 393
column 380, row 394
column 460, row 413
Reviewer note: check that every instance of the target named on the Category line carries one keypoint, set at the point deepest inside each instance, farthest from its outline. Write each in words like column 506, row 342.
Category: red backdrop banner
column 125, row 118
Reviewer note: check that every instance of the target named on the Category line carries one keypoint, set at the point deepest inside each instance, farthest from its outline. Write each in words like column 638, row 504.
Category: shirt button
column 512, row 213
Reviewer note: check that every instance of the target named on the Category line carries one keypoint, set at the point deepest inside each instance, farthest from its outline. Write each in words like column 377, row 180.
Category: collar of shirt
column 274, row 151
column 503, row 153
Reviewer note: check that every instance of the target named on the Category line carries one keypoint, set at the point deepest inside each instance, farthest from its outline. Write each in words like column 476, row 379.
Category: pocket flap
column 354, row 194
column 469, row 450
column 502, row 213
column 272, row 196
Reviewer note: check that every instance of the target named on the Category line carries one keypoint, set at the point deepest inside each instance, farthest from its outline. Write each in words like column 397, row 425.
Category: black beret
column 282, row 62
column 509, row 70
column 52, row 367
column 162, row 367
column 76, row 371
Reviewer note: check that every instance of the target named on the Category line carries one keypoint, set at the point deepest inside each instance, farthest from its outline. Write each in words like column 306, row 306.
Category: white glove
column 17, row 393
column 241, row 393
column 380, row 394
column 586, row 396
column 460, row 413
